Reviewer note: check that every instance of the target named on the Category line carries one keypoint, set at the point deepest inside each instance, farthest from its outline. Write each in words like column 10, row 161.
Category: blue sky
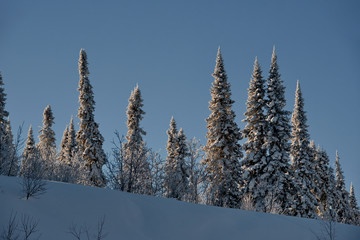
column 169, row 49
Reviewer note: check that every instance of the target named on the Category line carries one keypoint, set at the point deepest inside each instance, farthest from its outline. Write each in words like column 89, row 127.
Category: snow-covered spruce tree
column 136, row 172
column 169, row 181
column 355, row 216
column 302, row 161
column 68, row 144
column 342, row 205
column 176, row 170
column 181, row 168
column 279, row 181
column 30, row 154
column 222, row 150
column 4, row 153
column 89, row 140
column 324, row 184
column 71, row 145
column 47, row 145
column 11, row 167
column 62, row 153
column 254, row 165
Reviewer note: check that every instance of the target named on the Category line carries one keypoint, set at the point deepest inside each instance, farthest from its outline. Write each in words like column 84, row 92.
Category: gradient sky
column 169, row 49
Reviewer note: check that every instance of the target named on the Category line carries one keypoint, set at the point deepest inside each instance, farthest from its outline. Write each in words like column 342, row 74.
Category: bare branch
column 100, row 230
column 28, row 226
column 75, row 231
column 9, row 232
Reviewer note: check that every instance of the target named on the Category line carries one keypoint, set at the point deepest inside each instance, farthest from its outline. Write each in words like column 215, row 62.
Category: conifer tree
column 89, row 140
column 47, row 145
column 176, row 170
column 223, row 151
column 342, row 205
column 182, row 169
column 279, row 182
column 63, row 144
column 68, row 144
column 30, row 153
column 302, row 160
column 11, row 168
column 4, row 153
column 355, row 216
column 255, row 175
column 71, row 145
column 170, row 159
column 332, row 198
column 136, row 173
column 324, row 184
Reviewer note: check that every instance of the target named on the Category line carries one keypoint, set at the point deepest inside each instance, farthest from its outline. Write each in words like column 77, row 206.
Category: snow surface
column 131, row 216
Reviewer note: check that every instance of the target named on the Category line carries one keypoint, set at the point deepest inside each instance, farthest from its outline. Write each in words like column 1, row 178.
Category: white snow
column 130, row 216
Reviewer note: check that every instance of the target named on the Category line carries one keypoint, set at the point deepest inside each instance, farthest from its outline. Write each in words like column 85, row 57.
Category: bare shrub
column 28, row 226
column 247, row 203
column 10, row 232
column 79, row 231
column 32, row 183
column 327, row 231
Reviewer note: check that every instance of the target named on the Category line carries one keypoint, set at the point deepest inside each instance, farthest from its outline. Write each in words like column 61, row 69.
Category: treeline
column 278, row 169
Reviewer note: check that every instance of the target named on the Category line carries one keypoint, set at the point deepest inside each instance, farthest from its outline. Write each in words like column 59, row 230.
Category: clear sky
column 169, row 49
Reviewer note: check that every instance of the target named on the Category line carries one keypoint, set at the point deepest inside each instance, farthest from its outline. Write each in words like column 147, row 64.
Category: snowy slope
column 130, row 216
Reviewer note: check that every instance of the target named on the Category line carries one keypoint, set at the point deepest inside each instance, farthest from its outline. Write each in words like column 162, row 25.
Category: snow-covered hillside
column 130, row 216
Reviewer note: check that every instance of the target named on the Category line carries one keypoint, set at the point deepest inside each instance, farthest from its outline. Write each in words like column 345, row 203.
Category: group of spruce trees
column 281, row 171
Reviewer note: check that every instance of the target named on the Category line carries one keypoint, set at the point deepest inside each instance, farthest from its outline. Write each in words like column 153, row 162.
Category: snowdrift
column 131, row 216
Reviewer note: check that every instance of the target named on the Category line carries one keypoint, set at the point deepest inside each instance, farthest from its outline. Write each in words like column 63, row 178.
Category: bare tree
column 196, row 170
column 10, row 232
column 157, row 164
column 114, row 167
column 78, row 231
column 32, row 183
column 28, row 226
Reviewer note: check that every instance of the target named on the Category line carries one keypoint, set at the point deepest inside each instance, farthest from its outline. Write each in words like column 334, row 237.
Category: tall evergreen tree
column 68, row 144
column 11, row 167
column 333, row 197
column 343, row 206
column 136, row 170
column 4, row 153
column 89, row 139
column 302, row 160
column 279, row 181
column 170, row 186
column 254, row 165
column 355, row 216
column 324, row 184
column 176, row 170
column 223, row 151
column 182, row 169
column 47, row 145
column 63, row 144
column 30, row 153
column 71, row 145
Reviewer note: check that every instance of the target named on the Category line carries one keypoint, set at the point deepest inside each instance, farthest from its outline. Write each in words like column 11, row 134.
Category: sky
column 169, row 49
